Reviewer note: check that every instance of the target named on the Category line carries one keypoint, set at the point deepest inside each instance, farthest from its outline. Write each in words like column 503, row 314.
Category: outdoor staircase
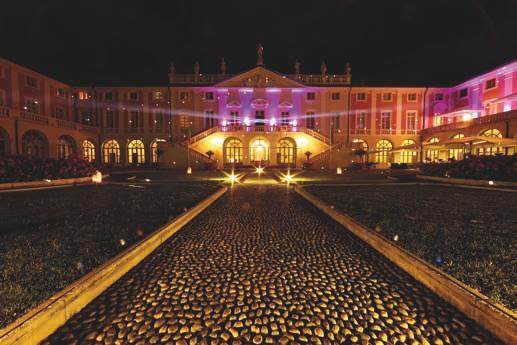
column 323, row 158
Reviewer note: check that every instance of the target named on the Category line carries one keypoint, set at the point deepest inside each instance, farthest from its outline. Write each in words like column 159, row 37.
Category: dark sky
column 399, row 42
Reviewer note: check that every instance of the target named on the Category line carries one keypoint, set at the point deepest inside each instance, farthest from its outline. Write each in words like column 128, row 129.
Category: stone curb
column 49, row 183
column 494, row 317
column 42, row 321
column 467, row 182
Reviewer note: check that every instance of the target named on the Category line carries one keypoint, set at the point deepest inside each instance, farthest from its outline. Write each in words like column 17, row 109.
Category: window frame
column 361, row 99
column 36, row 80
column 412, row 94
column 333, row 98
column 486, row 88
column 466, row 89
column 312, row 96
column 383, row 118
column 387, row 100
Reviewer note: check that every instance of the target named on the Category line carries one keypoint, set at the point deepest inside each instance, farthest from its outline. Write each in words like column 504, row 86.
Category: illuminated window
column 259, row 151
column 65, row 147
column 60, row 92
column 360, row 96
column 311, row 96
column 336, row 96
column 135, row 152
column 491, row 149
column 464, row 92
column 82, row 95
column 286, row 151
column 382, row 151
column 411, row 120
column 184, row 121
column 234, row 117
column 359, row 144
column 233, row 151
column 456, row 152
column 490, row 84
column 32, row 106
column 284, row 117
column 360, row 120
column 386, row 97
column 432, row 153
column 111, row 152
column 157, row 95
column 408, row 154
column 260, row 118
column 88, row 150
column 385, row 120
column 31, row 81
column 310, row 121
column 154, row 149
column 492, row 133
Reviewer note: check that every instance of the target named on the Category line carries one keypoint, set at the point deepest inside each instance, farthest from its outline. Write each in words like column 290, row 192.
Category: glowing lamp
column 232, row 178
column 189, row 171
column 491, row 182
column 224, row 123
column 272, row 122
column 147, row 180
column 260, row 170
column 97, row 177
column 339, row 171
column 247, row 121
column 467, row 117
column 288, row 178
column 295, row 123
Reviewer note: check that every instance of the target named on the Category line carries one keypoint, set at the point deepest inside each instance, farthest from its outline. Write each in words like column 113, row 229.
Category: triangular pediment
column 259, row 77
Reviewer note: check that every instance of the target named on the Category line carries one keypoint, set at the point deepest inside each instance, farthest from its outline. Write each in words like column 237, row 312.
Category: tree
column 209, row 153
column 308, row 154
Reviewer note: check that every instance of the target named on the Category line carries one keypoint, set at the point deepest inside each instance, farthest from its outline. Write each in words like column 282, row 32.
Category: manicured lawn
column 50, row 238
column 469, row 233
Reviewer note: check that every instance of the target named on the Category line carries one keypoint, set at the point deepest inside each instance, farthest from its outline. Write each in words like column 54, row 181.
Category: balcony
column 311, row 79
column 33, row 117
column 359, row 131
column 488, row 119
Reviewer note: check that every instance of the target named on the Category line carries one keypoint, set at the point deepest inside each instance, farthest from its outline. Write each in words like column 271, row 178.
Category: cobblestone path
column 261, row 266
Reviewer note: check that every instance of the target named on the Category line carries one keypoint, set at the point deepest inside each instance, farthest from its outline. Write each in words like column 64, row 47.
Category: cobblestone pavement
column 261, row 266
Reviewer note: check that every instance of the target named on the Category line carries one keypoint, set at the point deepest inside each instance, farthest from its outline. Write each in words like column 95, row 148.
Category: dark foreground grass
column 50, row 238
column 351, row 176
column 469, row 233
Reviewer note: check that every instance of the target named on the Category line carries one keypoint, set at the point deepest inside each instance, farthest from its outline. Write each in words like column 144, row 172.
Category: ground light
column 189, row 171
column 259, row 170
column 231, row 177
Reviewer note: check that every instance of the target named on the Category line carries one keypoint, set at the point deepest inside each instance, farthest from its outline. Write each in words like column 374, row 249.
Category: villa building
column 257, row 117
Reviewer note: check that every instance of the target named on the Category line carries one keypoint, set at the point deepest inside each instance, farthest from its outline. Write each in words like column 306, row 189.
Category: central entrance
column 259, row 152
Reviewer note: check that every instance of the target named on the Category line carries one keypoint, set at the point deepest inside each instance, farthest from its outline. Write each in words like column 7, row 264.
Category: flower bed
column 499, row 168
column 21, row 168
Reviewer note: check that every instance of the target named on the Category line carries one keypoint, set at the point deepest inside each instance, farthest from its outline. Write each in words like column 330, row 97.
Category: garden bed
column 50, row 238
column 470, row 234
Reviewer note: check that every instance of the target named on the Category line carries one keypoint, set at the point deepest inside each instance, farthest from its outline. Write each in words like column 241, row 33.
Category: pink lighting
column 247, row 121
column 272, row 122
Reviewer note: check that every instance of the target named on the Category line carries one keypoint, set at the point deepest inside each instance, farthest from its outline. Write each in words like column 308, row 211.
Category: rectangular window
column 184, row 121
column 438, row 96
column 184, row 96
column 209, row 119
column 133, row 96
column 411, row 120
column 59, row 113
column 360, row 120
column 110, row 119
column 336, row 96
column 234, row 117
column 386, row 97
column 60, row 92
column 310, row 122
column 108, row 96
column 411, row 97
column 490, row 84
column 133, row 122
column 82, row 95
column 32, row 106
column 209, row 96
column 385, row 120
column 284, row 118
column 361, row 96
column 157, row 95
column 311, row 96
column 31, row 81
column 464, row 93
column 260, row 118
column 158, row 120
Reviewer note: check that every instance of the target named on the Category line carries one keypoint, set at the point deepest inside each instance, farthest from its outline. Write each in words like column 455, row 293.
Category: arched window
column 457, row 152
column 408, row 153
column 491, row 149
column 232, row 151
column 432, row 154
column 382, row 151
column 259, row 150
column 111, row 152
column 88, row 150
column 34, row 144
column 136, row 152
column 65, row 147
column 154, row 149
column 286, row 151
column 360, row 149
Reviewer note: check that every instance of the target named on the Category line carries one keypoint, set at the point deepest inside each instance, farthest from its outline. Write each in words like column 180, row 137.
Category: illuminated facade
column 258, row 117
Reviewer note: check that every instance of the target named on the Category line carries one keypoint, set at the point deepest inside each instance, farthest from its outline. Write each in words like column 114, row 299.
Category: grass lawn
column 469, row 233
column 49, row 238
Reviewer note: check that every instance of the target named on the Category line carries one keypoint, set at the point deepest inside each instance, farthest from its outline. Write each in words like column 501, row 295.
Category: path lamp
column 189, row 168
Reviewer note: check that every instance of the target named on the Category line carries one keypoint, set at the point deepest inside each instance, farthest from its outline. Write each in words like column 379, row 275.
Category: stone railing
column 4, row 111
column 488, row 119
column 332, row 79
column 33, row 117
column 313, row 79
column 315, row 134
column 199, row 79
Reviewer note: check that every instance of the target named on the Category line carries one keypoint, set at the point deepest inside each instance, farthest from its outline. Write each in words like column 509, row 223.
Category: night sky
column 402, row 42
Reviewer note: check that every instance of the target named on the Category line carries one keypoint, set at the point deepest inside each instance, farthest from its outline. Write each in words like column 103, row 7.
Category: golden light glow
column 217, row 140
column 339, row 171
column 259, row 170
column 97, row 177
column 189, row 171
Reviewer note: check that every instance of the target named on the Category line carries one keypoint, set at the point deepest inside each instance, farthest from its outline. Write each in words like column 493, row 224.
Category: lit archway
column 35, row 144
column 4, row 142
column 259, row 151
column 408, row 153
column 432, row 154
column 286, row 151
column 360, row 148
column 65, row 147
column 457, row 153
column 491, row 149
column 135, row 152
column 383, row 150
column 154, row 149
column 88, row 150
column 232, row 150
column 111, row 152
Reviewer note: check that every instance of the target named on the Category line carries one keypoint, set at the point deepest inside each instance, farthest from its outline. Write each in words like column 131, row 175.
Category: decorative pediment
column 259, row 77
column 259, row 103
column 285, row 105
column 234, row 104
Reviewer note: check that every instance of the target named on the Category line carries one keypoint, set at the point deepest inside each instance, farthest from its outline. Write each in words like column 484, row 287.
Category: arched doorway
column 259, row 151
column 232, row 151
column 383, row 150
column 154, row 149
column 65, row 147
column 34, row 144
column 111, row 152
column 286, row 151
column 432, row 154
column 408, row 153
column 88, row 150
column 491, row 149
column 4, row 142
column 135, row 152
column 457, row 151
column 360, row 149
